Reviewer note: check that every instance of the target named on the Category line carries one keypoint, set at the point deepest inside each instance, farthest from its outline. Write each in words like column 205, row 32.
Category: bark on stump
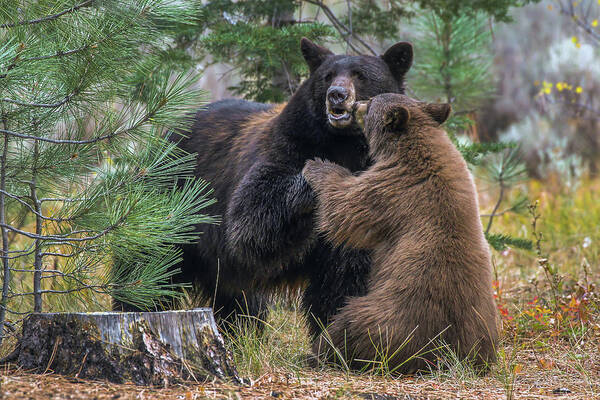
column 148, row 348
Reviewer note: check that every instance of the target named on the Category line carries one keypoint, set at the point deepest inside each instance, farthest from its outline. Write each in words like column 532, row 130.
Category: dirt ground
column 535, row 383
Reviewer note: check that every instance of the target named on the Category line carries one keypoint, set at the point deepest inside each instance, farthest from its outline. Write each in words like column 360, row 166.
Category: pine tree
column 453, row 65
column 259, row 38
column 87, row 90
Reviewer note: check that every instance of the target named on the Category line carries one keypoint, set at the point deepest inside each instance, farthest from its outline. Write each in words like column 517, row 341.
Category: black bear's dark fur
column 253, row 155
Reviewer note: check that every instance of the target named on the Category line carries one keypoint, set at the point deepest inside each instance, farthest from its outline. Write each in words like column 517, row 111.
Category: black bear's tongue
column 338, row 111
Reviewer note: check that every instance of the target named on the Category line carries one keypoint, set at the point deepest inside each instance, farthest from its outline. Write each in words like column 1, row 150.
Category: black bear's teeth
column 338, row 111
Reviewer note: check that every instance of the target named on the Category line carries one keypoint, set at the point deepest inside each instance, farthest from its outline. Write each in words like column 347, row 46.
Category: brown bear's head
column 389, row 117
column 337, row 81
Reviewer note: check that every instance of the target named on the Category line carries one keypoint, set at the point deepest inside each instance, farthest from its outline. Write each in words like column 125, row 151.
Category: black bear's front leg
column 269, row 221
column 336, row 273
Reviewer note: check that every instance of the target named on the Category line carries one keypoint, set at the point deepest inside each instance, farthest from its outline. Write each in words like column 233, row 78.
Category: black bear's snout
column 336, row 95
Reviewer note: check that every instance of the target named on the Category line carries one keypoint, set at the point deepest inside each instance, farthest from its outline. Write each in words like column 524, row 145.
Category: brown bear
column 416, row 209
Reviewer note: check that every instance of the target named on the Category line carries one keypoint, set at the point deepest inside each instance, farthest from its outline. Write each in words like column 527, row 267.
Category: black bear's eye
column 329, row 76
column 360, row 76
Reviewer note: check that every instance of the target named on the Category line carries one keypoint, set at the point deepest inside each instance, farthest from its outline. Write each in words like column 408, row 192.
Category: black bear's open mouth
column 339, row 116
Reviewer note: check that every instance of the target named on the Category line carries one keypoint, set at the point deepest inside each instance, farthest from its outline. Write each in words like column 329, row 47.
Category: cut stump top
column 146, row 347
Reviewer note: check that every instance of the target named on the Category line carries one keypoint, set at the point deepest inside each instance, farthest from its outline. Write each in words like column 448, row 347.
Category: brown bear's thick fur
column 416, row 208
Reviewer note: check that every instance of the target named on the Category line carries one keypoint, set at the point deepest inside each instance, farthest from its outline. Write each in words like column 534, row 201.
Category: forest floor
column 560, row 378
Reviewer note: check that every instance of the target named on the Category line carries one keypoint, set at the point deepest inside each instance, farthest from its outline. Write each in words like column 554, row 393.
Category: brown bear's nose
column 336, row 95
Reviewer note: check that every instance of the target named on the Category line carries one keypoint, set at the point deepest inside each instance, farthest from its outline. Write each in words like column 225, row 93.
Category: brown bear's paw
column 317, row 170
column 312, row 171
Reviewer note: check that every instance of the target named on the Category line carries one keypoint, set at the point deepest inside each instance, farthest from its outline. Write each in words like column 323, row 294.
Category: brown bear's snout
column 340, row 99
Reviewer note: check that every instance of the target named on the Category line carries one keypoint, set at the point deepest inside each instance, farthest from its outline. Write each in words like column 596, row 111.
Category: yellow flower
column 574, row 38
column 548, row 90
column 579, row 89
column 536, row 83
column 595, row 22
column 578, row 45
column 550, row 6
column 559, row 86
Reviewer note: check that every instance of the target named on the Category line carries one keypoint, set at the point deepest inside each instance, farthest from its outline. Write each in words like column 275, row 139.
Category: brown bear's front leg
column 344, row 213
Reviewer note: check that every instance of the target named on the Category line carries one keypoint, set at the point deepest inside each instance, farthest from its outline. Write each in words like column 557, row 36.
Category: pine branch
column 64, row 101
column 13, row 63
column 67, row 236
column 97, row 288
column 344, row 31
column 49, row 17
column 60, row 53
column 31, row 209
column 22, row 254
column 88, row 141
column 500, row 242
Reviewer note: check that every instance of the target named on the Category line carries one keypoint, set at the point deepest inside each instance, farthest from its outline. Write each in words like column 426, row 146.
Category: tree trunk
column 147, row 348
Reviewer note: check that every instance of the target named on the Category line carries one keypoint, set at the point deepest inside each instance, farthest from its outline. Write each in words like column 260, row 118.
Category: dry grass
column 533, row 380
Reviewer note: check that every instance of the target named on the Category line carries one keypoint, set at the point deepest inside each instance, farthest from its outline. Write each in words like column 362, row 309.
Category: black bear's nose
column 337, row 95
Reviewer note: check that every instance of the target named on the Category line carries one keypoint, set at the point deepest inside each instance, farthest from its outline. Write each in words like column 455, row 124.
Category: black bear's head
column 391, row 116
column 337, row 81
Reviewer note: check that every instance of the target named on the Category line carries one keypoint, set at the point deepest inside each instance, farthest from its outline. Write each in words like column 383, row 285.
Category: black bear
column 253, row 154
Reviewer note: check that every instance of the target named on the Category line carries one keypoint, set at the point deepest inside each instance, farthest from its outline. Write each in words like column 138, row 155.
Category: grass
column 547, row 298
column 281, row 343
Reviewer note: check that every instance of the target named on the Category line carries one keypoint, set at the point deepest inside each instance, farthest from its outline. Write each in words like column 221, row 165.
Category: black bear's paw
column 301, row 198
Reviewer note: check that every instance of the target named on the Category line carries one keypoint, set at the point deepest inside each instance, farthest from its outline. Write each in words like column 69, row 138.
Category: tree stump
column 148, row 348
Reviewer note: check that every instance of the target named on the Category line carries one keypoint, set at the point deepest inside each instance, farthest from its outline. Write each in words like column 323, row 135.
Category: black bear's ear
column 399, row 58
column 439, row 112
column 313, row 54
column 397, row 119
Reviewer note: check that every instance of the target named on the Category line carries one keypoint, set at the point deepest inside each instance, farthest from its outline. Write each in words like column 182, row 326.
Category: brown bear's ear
column 399, row 58
column 396, row 119
column 439, row 112
column 313, row 54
